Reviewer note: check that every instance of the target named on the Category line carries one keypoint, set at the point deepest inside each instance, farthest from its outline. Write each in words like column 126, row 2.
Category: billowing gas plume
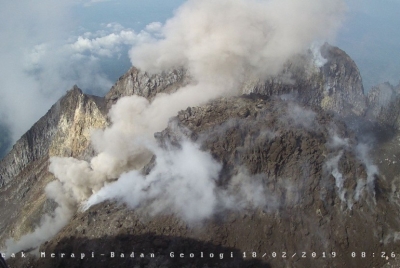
column 363, row 185
column 221, row 43
column 183, row 181
column 49, row 226
column 229, row 40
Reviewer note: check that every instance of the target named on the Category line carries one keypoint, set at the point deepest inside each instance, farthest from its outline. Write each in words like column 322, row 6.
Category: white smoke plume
column 362, row 151
column 220, row 43
column 246, row 191
column 318, row 59
column 219, row 49
column 338, row 144
column 183, row 181
column 49, row 225
column 217, row 40
column 333, row 167
column 301, row 117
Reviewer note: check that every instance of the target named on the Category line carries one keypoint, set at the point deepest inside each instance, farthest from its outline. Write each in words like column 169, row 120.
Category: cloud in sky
column 82, row 59
column 228, row 40
column 45, row 53
column 106, row 44
column 24, row 24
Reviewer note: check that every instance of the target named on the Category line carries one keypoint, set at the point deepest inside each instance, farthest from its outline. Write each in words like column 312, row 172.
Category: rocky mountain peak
column 289, row 163
column 136, row 82
column 63, row 131
column 334, row 84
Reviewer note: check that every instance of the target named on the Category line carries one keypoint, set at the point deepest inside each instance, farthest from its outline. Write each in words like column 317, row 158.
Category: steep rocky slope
column 63, row 131
column 384, row 104
column 335, row 86
column 136, row 82
column 286, row 134
column 289, row 156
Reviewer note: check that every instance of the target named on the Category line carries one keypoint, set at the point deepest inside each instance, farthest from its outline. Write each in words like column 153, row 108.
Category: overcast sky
column 48, row 46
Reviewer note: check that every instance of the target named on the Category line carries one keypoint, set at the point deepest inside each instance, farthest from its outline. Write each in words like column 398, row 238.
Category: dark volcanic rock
column 136, row 82
column 343, row 82
column 384, row 105
column 276, row 141
column 47, row 132
column 286, row 134
column 63, row 131
column 336, row 86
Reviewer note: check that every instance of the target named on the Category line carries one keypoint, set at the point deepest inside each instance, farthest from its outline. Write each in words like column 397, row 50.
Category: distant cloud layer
column 41, row 59
column 24, row 24
column 108, row 42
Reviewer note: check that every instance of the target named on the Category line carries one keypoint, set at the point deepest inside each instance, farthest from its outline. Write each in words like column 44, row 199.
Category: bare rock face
column 335, row 86
column 286, row 133
column 384, row 105
column 63, row 131
column 343, row 89
column 292, row 148
column 136, row 82
column 285, row 146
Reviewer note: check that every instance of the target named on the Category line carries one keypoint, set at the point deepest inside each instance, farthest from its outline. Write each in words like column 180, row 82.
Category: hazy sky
column 371, row 36
column 48, row 46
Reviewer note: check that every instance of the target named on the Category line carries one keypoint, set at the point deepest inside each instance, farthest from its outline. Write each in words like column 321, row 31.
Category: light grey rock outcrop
column 137, row 82
column 271, row 136
column 336, row 86
column 63, row 131
column 384, row 105
column 343, row 88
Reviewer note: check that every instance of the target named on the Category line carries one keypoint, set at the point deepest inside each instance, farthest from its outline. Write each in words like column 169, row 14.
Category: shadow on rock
column 147, row 250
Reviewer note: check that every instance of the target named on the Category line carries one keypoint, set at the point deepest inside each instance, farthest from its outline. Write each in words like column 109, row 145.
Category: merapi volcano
column 237, row 140
column 305, row 165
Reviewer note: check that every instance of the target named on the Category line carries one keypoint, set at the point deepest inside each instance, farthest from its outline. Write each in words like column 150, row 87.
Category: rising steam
column 49, row 225
column 182, row 182
column 220, row 43
column 225, row 41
